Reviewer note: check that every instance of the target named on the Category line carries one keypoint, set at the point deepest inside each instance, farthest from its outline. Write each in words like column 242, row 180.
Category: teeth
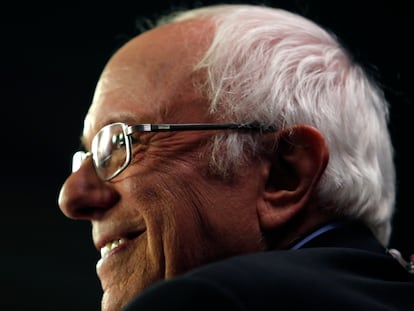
column 111, row 246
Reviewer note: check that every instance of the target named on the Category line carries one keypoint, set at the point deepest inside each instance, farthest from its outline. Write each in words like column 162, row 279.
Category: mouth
column 112, row 246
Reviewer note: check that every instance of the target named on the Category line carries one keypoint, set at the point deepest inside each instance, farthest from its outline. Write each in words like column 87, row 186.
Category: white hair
column 277, row 68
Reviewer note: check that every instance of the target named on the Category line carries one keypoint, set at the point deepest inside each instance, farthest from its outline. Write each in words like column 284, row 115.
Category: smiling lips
column 110, row 246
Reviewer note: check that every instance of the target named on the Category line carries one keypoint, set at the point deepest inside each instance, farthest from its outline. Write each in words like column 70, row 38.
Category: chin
column 112, row 302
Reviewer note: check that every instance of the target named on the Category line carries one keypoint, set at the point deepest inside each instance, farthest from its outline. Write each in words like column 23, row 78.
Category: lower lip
column 111, row 256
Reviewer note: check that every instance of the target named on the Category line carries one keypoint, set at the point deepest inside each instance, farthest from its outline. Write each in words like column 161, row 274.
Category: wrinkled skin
column 171, row 213
column 174, row 215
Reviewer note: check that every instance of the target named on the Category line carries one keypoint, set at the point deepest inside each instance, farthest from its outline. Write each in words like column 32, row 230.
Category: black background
column 50, row 58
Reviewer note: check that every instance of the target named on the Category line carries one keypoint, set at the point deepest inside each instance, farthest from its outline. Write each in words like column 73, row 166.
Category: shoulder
column 186, row 293
column 323, row 262
column 316, row 275
column 219, row 285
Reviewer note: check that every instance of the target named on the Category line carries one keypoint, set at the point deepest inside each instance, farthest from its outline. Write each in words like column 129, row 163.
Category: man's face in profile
column 166, row 213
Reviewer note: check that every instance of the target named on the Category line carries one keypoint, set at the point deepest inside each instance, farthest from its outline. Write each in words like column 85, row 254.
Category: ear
column 293, row 170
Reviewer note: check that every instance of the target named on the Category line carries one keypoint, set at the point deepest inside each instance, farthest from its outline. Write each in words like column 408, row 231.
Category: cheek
column 170, row 207
column 177, row 222
column 201, row 224
column 192, row 219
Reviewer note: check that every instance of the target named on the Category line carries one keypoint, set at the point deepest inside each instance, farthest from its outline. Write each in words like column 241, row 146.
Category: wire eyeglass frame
column 116, row 138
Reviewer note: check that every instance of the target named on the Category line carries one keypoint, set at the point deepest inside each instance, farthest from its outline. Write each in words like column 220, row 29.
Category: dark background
column 50, row 59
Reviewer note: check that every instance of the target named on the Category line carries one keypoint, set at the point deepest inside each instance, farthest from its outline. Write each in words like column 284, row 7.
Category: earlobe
column 293, row 171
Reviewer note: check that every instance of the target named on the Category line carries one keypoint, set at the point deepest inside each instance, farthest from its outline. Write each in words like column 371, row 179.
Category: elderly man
column 236, row 157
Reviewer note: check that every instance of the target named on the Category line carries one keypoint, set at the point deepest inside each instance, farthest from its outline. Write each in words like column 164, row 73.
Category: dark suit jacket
column 342, row 269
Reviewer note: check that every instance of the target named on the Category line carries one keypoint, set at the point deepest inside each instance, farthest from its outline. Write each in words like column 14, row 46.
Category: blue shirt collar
column 318, row 232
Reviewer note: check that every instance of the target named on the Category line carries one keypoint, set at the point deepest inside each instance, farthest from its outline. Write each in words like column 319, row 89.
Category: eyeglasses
column 112, row 145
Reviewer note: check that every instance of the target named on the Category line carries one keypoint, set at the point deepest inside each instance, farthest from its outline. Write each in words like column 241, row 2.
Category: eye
column 136, row 139
column 138, row 144
column 118, row 141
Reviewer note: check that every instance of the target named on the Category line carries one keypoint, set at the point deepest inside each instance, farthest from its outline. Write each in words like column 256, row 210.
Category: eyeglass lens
column 109, row 150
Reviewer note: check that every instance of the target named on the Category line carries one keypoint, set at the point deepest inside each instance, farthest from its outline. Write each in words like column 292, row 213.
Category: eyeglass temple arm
column 198, row 126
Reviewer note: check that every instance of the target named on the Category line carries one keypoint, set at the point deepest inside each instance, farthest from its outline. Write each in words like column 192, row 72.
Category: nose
column 84, row 195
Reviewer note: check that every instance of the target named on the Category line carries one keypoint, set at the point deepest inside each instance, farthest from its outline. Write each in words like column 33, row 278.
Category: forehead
column 151, row 76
